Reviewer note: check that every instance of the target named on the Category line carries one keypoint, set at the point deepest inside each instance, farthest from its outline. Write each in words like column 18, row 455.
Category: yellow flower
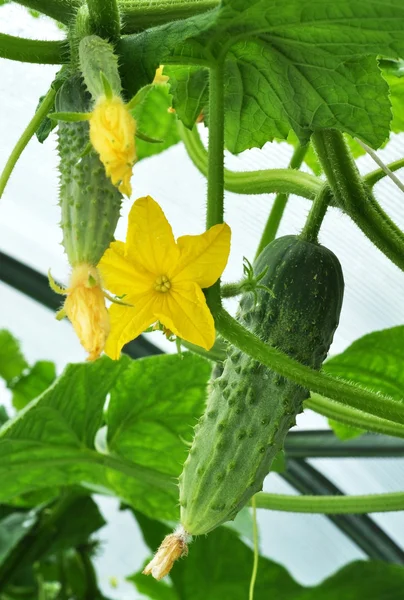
column 112, row 133
column 85, row 308
column 161, row 278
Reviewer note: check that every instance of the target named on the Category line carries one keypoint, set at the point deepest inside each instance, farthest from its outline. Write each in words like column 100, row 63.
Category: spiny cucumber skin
column 89, row 202
column 250, row 408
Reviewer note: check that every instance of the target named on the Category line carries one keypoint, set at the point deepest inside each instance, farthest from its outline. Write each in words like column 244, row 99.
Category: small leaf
column 31, row 385
column 12, row 362
column 155, row 122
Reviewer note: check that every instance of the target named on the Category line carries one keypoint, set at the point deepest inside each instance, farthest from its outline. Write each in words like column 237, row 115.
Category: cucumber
column 250, row 408
column 90, row 203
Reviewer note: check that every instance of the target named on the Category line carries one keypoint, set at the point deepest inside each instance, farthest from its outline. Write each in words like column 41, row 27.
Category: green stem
column 34, row 51
column 333, row 388
column 279, row 205
column 216, row 354
column 269, row 181
column 256, row 549
column 388, row 172
column 230, row 290
column 332, row 505
column 374, row 176
column 325, row 444
column 92, row 590
column 215, row 197
column 142, row 14
column 316, row 216
column 354, row 198
column 104, row 18
column 351, row 416
column 30, row 130
column 61, row 10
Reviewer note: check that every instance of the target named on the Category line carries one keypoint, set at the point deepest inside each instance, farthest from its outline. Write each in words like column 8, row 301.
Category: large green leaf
column 298, row 65
column 12, row 362
column 13, row 528
column 153, row 407
column 375, row 361
column 219, row 566
column 393, row 73
column 154, row 404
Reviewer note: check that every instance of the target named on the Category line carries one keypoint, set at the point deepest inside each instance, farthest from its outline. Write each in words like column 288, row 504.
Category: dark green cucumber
column 90, row 203
column 250, row 408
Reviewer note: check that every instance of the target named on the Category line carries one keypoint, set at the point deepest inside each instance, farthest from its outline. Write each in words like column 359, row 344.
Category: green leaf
column 152, row 410
column 13, row 528
column 189, row 87
column 154, row 404
column 291, row 65
column 154, row 119
column 50, row 443
column 31, row 385
column 376, row 362
column 393, row 73
column 12, row 362
column 219, row 566
column 47, row 125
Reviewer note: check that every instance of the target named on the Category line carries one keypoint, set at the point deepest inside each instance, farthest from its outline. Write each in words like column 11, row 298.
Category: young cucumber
column 250, row 408
column 90, row 203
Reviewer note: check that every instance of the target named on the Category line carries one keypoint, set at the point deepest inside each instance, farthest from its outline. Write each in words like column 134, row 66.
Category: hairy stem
column 332, row 505
column 316, row 215
column 269, row 181
column 351, row 416
column 34, row 51
column 142, row 14
column 336, row 389
column 104, row 18
column 279, row 205
column 374, row 176
column 61, row 10
column 30, row 130
column 354, row 198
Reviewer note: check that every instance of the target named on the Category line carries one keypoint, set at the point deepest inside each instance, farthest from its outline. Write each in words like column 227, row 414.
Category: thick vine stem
column 215, row 199
column 351, row 416
column 336, row 389
column 332, row 505
column 287, row 181
column 354, row 198
column 104, row 18
column 61, row 10
column 279, row 205
column 316, row 215
column 27, row 134
column 34, row 51
column 138, row 15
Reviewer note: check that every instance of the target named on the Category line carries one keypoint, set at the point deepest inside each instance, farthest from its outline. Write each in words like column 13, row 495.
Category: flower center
column 162, row 283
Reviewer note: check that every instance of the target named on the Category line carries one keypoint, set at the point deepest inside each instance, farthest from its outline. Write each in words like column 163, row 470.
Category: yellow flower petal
column 150, row 239
column 185, row 312
column 127, row 323
column 203, row 257
column 122, row 276
column 112, row 133
column 85, row 308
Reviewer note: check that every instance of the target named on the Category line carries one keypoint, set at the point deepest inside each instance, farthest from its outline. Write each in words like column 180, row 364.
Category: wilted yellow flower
column 112, row 133
column 161, row 279
column 85, row 308
column 173, row 547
